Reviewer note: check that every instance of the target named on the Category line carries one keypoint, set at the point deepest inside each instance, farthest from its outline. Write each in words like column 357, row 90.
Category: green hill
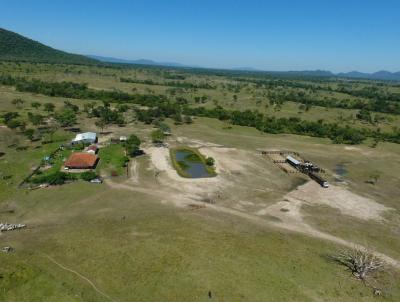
column 14, row 47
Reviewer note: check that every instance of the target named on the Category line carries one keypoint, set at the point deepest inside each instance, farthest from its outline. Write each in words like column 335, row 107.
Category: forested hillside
column 14, row 47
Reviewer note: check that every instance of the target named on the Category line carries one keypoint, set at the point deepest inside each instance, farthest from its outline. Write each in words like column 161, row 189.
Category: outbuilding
column 93, row 149
column 292, row 161
column 86, row 138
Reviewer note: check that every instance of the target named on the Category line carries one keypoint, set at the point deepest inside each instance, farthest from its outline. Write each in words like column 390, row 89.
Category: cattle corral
column 278, row 229
column 292, row 162
column 279, row 158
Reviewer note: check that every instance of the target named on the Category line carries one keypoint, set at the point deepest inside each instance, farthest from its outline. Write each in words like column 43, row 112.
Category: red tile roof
column 81, row 161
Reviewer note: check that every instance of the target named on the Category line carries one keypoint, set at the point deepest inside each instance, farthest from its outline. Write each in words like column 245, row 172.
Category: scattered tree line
column 63, row 89
column 159, row 107
column 376, row 105
column 185, row 85
column 371, row 92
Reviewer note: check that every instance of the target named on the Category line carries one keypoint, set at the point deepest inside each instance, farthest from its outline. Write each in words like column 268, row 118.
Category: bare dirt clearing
column 340, row 198
column 232, row 192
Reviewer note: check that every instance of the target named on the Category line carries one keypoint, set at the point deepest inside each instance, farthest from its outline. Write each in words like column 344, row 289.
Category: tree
column 35, row 119
column 132, row 150
column 53, row 127
column 177, row 118
column 88, row 175
column 373, row 178
column 22, row 126
column 210, row 161
column 132, row 145
column 122, row 108
column 101, row 124
column 29, row 133
column 8, row 116
column 157, row 136
column 35, row 105
column 164, row 128
column 49, row 107
column 360, row 262
column 133, row 140
column 364, row 115
column 187, row 119
column 66, row 117
column 88, row 108
column 13, row 124
column 17, row 102
column 69, row 105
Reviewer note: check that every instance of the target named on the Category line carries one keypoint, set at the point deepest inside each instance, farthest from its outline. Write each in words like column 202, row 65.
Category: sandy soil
column 134, row 174
column 340, row 198
column 234, row 173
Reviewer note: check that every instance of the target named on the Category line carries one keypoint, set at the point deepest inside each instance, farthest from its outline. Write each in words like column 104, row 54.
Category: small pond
column 191, row 164
column 340, row 169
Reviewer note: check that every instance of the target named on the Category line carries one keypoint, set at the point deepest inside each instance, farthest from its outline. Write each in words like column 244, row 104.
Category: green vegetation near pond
column 185, row 158
column 275, row 260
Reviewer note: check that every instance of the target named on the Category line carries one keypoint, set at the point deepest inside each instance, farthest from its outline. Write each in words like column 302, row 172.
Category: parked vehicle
column 96, row 181
column 319, row 180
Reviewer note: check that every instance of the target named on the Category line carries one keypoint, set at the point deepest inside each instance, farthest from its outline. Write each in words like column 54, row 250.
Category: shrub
column 157, row 136
column 132, row 146
column 210, row 161
column 125, row 161
column 88, row 176
column 13, row 124
column 29, row 133
column 55, row 178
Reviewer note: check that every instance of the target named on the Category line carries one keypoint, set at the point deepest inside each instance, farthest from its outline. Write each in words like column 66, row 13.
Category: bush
column 210, row 161
column 66, row 117
column 13, row 124
column 88, row 176
column 132, row 146
column 125, row 161
column 133, row 140
column 55, row 178
column 9, row 116
column 157, row 136
column 29, row 133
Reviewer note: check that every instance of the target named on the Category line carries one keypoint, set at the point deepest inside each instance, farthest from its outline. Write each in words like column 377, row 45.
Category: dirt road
column 184, row 192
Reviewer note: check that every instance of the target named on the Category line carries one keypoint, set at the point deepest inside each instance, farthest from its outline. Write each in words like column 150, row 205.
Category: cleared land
column 251, row 233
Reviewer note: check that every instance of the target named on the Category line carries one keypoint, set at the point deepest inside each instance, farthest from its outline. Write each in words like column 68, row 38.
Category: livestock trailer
column 319, row 180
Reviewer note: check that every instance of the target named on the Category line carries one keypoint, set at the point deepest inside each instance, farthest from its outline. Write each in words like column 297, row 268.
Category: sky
column 336, row 35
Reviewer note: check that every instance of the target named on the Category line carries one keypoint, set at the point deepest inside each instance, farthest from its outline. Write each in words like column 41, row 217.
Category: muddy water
column 192, row 164
column 341, row 170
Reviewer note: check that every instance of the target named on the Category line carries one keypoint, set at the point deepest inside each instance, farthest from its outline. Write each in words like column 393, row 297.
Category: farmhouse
column 86, row 138
column 81, row 161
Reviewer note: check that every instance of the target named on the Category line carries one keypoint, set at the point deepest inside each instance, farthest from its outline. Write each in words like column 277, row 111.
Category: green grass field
column 140, row 236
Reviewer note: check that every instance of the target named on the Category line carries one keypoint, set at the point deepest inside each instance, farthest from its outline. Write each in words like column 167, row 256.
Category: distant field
column 150, row 235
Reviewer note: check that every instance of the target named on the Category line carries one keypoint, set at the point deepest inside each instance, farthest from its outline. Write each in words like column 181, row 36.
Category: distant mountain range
column 380, row 75
column 139, row 62
column 14, row 47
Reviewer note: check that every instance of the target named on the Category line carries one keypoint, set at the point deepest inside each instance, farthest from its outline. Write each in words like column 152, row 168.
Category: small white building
column 86, row 138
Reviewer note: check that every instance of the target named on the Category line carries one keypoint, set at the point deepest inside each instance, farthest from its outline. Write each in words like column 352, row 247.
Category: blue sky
column 332, row 35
